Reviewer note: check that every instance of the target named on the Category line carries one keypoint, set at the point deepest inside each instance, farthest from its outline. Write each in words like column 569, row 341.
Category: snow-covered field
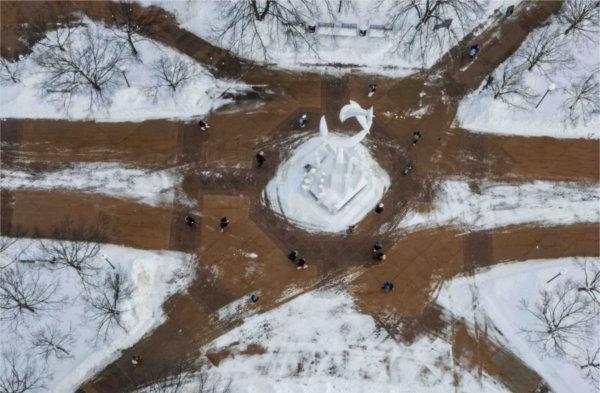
column 320, row 343
column 480, row 112
column 378, row 52
column 492, row 297
column 113, row 179
column 152, row 277
column 140, row 101
column 499, row 204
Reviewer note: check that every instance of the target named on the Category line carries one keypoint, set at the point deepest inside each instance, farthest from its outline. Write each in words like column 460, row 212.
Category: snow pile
column 493, row 297
column 286, row 196
column 499, row 204
column 328, row 47
column 479, row 112
column 319, row 343
column 139, row 102
column 154, row 276
column 112, row 179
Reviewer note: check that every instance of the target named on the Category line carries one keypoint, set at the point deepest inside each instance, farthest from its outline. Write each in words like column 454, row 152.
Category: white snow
column 499, row 204
column 479, row 112
column 152, row 187
column 155, row 275
column 135, row 103
column 492, row 297
column 286, row 196
column 319, row 343
column 333, row 47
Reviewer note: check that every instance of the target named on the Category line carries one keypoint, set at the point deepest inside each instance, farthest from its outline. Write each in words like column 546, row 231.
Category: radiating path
column 219, row 179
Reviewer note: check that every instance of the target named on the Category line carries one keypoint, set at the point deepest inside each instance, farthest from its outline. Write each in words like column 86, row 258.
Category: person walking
column 473, row 51
column 416, row 136
column 302, row 120
column 190, row 221
column 203, row 125
column 372, row 89
column 377, row 247
column 293, row 255
column 387, row 286
column 302, row 264
column 260, row 158
column 379, row 208
column 224, row 223
column 253, row 298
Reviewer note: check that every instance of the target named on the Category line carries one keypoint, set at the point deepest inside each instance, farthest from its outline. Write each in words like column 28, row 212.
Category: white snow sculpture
column 330, row 181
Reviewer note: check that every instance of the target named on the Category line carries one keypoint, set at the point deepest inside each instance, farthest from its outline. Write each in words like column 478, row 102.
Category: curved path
column 220, row 178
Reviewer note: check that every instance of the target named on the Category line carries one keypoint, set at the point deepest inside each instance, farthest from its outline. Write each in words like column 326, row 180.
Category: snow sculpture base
column 334, row 193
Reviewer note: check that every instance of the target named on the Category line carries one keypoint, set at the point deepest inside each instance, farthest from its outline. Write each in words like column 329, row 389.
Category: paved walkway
column 219, row 176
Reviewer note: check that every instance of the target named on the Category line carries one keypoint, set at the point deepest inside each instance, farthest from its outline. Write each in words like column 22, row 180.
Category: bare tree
column 134, row 23
column 181, row 377
column 53, row 341
column 581, row 18
column 544, row 50
column 247, row 25
column 87, row 68
column 73, row 246
column 106, row 300
column 426, row 27
column 508, row 85
column 583, row 99
column 23, row 291
column 589, row 364
column 563, row 319
column 208, row 384
column 173, row 72
column 19, row 374
column 58, row 38
column 590, row 284
column 10, row 71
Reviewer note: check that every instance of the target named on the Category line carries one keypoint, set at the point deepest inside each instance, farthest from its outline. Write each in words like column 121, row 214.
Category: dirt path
column 219, row 179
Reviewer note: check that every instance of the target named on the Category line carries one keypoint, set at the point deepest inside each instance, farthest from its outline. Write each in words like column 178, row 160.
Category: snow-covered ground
column 480, row 112
column 154, row 275
column 320, row 343
column 112, row 179
column 136, row 103
column 493, row 297
column 499, row 204
column 376, row 53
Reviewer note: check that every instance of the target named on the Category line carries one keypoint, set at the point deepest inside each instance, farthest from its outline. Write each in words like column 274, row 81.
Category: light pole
column 551, row 87
column 123, row 71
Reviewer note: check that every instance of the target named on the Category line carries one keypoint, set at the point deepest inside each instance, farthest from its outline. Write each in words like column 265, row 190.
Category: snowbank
column 112, row 179
column 493, row 296
column 135, row 103
column 479, row 112
column 333, row 47
column 319, row 343
column 155, row 275
column 499, row 204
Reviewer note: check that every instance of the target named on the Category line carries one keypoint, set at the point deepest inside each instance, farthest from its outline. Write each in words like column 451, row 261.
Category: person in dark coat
column 260, row 158
column 377, row 247
column 293, row 255
column 224, row 223
column 416, row 136
column 387, row 286
column 190, row 221
column 203, row 125
column 302, row 264
column 253, row 298
column 379, row 208
column 372, row 89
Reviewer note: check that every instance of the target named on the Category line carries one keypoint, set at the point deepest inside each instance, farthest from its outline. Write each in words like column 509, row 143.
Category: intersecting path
column 219, row 177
